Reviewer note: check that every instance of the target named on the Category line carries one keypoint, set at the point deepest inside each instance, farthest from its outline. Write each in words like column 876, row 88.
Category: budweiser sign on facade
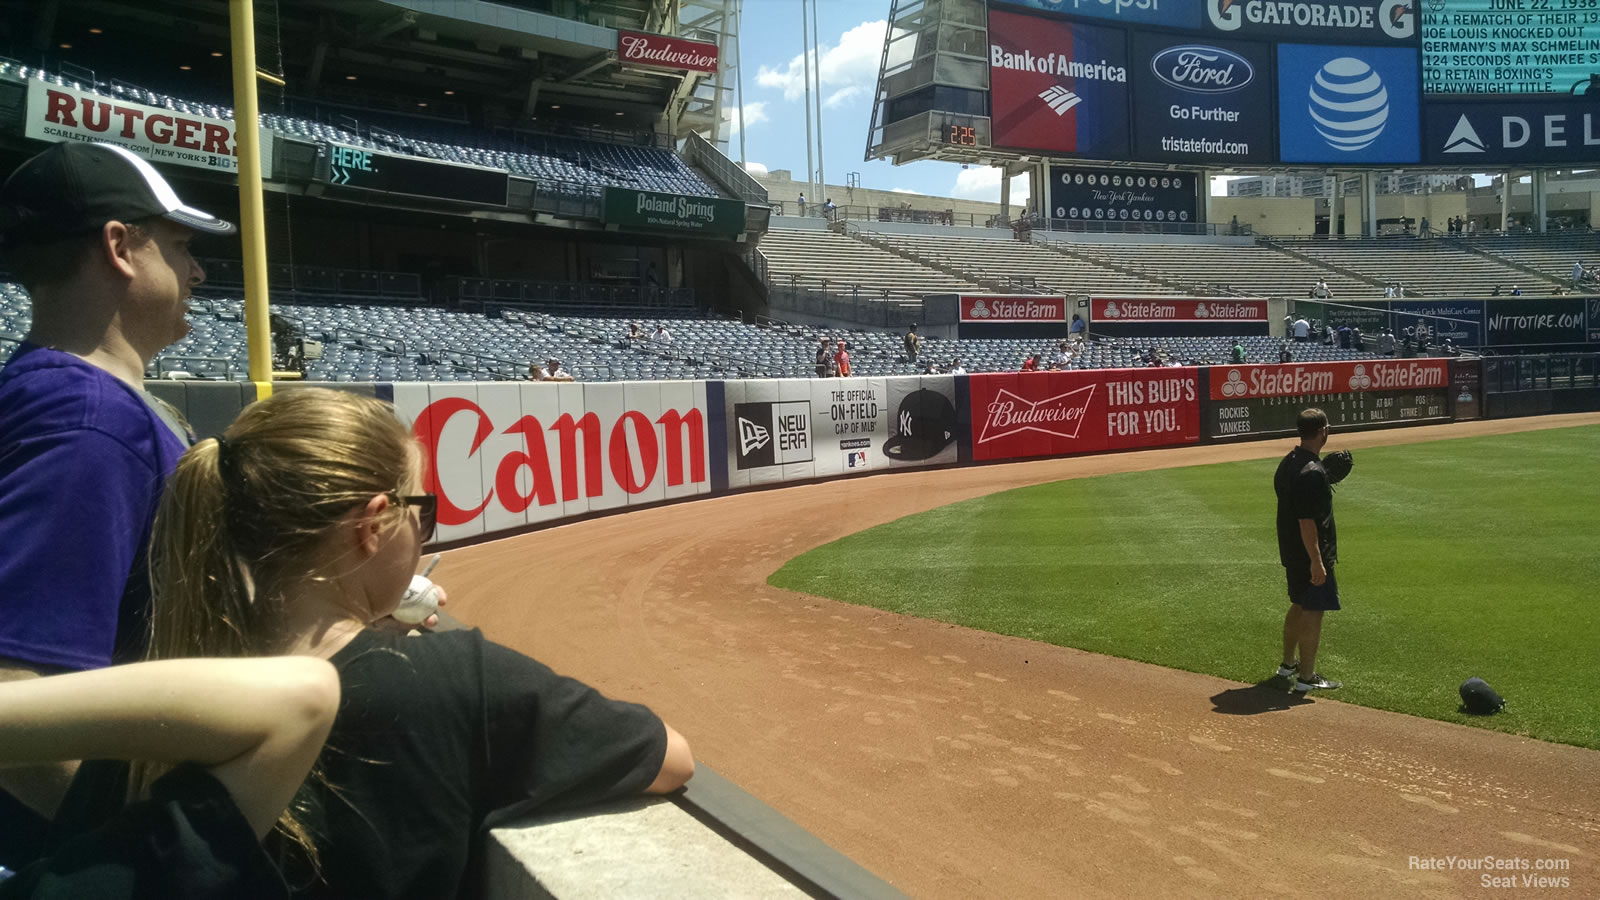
column 1061, row 415
column 1244, row 382
column 1024, row 308
column 637, row 48
column 1175, row 309
column 1022, row 414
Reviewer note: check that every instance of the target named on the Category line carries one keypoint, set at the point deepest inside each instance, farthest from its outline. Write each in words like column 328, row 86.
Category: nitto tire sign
column 1202, row 101
column 1085, row 194
column 1523, row 321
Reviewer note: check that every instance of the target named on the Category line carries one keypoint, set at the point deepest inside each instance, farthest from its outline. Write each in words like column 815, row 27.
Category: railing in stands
column 724, row 171
column 1074, row 226
column 481, row 292
column 871, row 308
column 381, row 343
column 496, row 368
column 165, row 365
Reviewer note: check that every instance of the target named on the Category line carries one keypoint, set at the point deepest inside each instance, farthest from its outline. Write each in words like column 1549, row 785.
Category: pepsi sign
column 1207, row 101
column 1170, row 13
column 1348, row 105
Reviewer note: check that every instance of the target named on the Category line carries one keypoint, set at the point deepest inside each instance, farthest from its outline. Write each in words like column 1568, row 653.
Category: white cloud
column 754, row 114
column 903, row 191
column 851, row 62
column 755, row 168
column 983, row 183
column 844, row 95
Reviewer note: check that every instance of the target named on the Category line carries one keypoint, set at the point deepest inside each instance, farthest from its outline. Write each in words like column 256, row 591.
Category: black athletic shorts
column 1302, row 593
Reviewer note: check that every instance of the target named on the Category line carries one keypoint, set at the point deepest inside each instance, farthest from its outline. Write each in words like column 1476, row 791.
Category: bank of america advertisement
column 1346, row 104
column 1058, row 86
column 1202, row 100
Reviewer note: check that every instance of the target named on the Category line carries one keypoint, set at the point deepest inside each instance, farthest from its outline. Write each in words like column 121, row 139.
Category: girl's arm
column 258, row 724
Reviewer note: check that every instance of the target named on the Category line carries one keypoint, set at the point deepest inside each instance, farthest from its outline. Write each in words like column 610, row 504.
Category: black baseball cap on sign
column 924, row 426
column 76, row 188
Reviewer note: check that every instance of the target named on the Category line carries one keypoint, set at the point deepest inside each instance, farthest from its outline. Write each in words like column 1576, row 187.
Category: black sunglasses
column 427, row 507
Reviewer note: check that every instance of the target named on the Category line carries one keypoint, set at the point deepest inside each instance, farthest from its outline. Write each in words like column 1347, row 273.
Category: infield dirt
column 958, row 763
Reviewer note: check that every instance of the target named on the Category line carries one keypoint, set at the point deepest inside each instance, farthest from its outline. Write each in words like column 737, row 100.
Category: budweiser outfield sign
column 58, row 113
column 662, row 52
column 1026, row 414
column 1021, row 308
column 677, row 212
column 1175, row 309
column 1310, row 379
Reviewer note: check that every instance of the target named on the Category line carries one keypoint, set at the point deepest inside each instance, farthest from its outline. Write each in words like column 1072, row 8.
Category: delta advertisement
column 1019, row 415
column 1348, row 105
column 1122, row 195
column 795, row 429
column 57, row 113
column 1205, row 101
column 1555, row 131
column 1058, row 86
column 1317, row 21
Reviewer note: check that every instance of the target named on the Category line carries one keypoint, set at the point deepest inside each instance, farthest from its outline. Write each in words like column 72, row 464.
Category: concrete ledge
column 711, row 840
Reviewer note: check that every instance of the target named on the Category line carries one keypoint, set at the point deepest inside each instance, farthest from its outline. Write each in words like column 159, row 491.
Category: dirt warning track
column 958, row 763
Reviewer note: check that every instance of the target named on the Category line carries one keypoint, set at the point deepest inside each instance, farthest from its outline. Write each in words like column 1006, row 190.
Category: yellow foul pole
column 252, row 223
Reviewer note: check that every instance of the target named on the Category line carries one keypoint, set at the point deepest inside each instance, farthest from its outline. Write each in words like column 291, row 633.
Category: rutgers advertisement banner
column 1054, row 413
column 1058, row 86
column 58, row 113
column 504, row 455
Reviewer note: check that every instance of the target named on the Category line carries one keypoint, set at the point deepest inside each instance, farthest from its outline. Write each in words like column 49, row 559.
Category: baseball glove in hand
column 1338, row 465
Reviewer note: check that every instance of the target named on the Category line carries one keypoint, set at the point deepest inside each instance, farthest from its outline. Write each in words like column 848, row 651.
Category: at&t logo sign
column 1349, row 104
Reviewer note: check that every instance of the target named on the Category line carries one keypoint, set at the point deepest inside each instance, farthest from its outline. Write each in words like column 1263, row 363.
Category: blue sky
column 851, row 35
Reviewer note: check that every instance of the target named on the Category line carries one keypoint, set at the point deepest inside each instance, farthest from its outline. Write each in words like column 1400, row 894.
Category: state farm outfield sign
column 58, row 113
column 1023, row 308
column 662, row 52
column 1166, row 309
column 1246, row 382
column 676, row 212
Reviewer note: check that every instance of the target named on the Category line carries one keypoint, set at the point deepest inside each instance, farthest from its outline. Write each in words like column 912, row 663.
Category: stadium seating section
column 581, row 166
column 1428, row 266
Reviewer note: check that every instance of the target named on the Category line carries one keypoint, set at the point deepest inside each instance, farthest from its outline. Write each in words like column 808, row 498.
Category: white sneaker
column 1315, row 683
column 1288, row 670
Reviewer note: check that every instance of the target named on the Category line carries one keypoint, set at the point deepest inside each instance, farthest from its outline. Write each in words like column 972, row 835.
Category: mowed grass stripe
column 1475, row 556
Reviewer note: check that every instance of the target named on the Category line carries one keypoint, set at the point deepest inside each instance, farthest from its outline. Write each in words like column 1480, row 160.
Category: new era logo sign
column 1059, row 99
column 772, row 434
column 1060, row 416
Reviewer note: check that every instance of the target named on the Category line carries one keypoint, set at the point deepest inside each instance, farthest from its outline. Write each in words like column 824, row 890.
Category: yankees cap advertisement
column 924, row 426
column 1558, row 131
column 1348, row 105
column 1202, row 100
column 1166, row 13
column 1385, row 22
column 1058, row 86
column 1122, row 195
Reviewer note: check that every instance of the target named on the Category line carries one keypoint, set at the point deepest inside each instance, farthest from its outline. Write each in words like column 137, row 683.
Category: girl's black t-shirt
column 442, row 736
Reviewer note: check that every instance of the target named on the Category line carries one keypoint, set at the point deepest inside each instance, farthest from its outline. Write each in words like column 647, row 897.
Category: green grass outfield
column 1456, row 558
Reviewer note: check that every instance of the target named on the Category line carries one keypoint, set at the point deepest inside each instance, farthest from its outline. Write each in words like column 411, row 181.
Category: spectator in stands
column 447, row 727
column 913, row 342
column 1031, row 364
column 956, row 368
column 1236, row 355
column 932, row 368
column 1495, row 292
column 1343, row 333
column 1427, row 227
column 662, row 335
column 1449, row 347
column 1327, row 335
column 1302, row 330
column 824, row 361
column 828, row 209
column 1407, row 344
column 635, row 333
column 535, row 372
column 1388, row 291
column 802, row 204
column 841, row 360
column 1355, row 338
column 1284, row 356
column 554, row 371
column 101, row 242
column 1063, row 355
column 1320, row 289
column 1233, row 227
column 1078, row 327
column 1386, row 342
column 1516, row 291
column 1399, row 288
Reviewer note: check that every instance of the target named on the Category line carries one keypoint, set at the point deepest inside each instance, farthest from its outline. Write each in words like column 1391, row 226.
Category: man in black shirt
column 1308, row 548
column 824, row 358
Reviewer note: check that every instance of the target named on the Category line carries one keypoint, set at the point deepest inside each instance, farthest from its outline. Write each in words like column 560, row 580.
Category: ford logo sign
column 1202, row 69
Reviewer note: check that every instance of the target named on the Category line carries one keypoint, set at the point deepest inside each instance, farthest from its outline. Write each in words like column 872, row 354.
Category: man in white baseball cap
column 101, row 243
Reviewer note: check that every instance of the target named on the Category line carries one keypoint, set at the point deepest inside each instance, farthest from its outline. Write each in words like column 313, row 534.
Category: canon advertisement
column 1556, row 131
column 1122, row 195
column 1058, row 86
column 1053, row 413
column 1348, row 105
column 1318, row 21
column 1202, row 102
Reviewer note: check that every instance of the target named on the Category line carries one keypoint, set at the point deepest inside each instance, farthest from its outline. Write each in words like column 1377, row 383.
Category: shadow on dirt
column 1266, row 696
